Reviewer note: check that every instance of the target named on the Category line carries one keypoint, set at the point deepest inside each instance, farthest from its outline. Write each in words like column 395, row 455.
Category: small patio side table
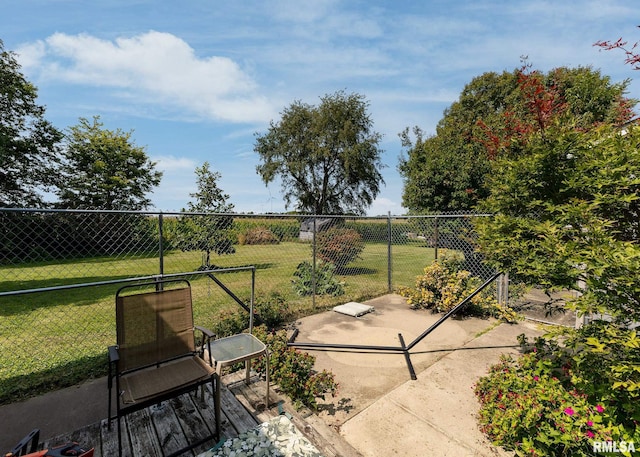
column 233, row 349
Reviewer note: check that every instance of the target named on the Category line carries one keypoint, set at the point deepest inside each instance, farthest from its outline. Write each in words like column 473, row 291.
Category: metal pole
column 160, row 244
column 389, row 264
column 436, row 237
column 313, row 269
column 251, row 305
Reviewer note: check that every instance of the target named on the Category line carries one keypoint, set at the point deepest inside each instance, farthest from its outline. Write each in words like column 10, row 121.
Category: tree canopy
column 447, row 171
column 104, row 169
column 566, row 201
column 209, row 229
column 327, row 157
column 28, row 142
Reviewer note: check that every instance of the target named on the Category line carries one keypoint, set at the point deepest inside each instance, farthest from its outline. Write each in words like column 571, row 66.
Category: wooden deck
column 163, row 429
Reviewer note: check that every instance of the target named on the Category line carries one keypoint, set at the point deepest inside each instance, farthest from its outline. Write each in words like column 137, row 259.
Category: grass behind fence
column 58, row 338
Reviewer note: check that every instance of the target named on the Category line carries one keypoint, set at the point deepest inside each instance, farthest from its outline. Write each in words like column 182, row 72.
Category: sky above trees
column 196, row 80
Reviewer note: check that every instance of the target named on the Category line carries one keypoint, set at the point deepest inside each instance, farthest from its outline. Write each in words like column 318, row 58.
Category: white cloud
column 383, row 206
column 174, row 163
column 152, row 68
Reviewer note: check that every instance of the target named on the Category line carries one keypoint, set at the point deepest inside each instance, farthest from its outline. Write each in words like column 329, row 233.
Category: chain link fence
column 60, row 269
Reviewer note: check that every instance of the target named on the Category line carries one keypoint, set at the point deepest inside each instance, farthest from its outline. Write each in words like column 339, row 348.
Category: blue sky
column 195, row 80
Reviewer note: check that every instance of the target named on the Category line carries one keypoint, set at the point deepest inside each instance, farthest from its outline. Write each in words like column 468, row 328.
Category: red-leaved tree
column 633, row 58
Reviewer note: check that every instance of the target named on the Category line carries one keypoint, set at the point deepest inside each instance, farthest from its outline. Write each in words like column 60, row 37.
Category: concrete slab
column 364, row 377
column 436, row 413
column 55, row 413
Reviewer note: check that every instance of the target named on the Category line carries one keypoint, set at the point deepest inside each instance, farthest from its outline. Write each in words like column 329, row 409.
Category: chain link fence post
column 160, row 243
column 389, row 261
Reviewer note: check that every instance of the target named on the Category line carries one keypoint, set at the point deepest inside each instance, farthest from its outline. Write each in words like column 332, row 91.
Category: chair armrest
column 113, row 354
column 207, row 336
column 206, row 332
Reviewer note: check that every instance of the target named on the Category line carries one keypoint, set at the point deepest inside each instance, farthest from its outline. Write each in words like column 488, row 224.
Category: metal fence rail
column 59, row 270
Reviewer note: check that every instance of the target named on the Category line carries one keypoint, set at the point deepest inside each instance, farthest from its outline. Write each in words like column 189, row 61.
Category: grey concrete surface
column 55, row 413
column 379, row 410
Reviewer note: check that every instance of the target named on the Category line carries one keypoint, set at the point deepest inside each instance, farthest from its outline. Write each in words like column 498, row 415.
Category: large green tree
column 327, row 157
column 566, row 205
column 447, row 171
column 208, row 227
column 28, row 142
column 104, row 169
column 566, row 201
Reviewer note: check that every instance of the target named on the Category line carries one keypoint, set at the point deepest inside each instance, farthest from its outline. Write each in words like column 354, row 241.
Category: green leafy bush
column 339, row 246
column 558, row 400
column 601, row 360
column 526, row 409
column 444, row 284
column 326, row 283
column 293, row 372
column 290, row 369
column 230, row 322
column 272, row 312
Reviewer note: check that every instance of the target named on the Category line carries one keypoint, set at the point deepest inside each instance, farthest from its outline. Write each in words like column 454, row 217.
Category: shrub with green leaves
column 601, row 360
column 229, row 322
column 293, row 372
column 444, row 284
column 339, row 246
column 525, row 408
column 558, row 399
column 326, row 282
column 272, row 312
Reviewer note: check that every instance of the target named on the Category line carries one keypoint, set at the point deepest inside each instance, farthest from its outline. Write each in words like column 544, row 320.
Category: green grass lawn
column 58, row 338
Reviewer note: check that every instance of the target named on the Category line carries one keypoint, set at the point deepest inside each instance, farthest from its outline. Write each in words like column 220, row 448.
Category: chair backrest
column 27, row 445
column 154, row 326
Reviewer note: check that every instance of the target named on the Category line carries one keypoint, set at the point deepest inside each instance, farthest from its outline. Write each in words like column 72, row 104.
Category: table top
column 235, row 348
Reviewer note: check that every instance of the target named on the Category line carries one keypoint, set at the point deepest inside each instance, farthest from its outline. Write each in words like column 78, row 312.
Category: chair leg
column 119, row 437
column 215, row 384
column 267, row 357
column 109, row 406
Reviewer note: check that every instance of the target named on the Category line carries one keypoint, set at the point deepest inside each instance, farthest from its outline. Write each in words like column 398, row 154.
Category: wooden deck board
column 144, row 440
column 161, row 430
column 170, row 434
column 192, row 423
column 106, row 443
column 207, row 411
